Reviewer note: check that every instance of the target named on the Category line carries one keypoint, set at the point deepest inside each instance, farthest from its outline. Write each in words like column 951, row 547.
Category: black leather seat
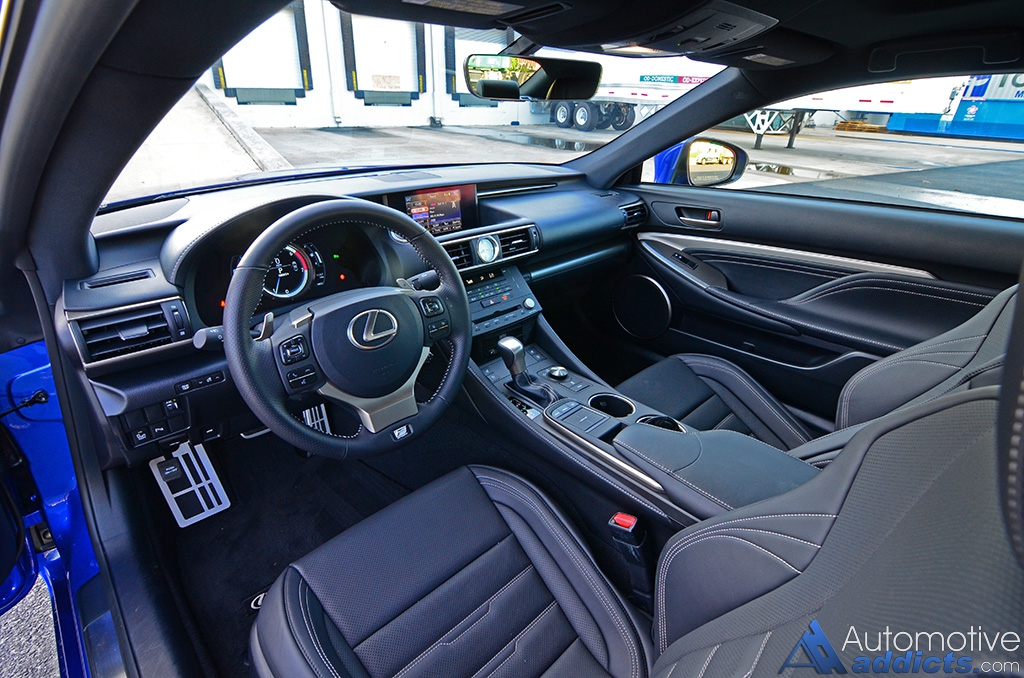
column 709, row 393
column 917, row 527
column 476, row 573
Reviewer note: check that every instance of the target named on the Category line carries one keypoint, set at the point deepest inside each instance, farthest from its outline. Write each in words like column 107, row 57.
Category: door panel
column 862, row 311
column 802, row 293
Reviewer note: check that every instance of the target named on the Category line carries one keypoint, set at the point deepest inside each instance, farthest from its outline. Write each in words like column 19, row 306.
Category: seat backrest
column 916, row 542
column 931, row 369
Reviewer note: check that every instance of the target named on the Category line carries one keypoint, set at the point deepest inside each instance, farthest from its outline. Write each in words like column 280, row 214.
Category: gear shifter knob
column 513, row 354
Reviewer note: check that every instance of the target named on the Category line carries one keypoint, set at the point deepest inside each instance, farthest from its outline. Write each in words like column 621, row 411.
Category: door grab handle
column 699, row 217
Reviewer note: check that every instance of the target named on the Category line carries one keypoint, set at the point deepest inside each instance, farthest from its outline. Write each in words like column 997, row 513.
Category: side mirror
column 700, row 162
column 515, row 78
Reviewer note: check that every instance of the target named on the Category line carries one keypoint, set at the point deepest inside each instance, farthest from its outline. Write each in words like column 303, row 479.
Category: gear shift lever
column 513, row 353
column 514, row 356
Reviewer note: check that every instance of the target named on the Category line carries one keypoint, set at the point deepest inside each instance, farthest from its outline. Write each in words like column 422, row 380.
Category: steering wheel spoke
column 378, row 414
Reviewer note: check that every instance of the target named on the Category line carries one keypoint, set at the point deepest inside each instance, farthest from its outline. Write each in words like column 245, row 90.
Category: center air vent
column 492, row 248
column 131, row 330
column 460, row 252
column 635, row 214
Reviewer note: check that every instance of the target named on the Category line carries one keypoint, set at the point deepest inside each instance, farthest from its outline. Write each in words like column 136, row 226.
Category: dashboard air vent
column 122, row 333
column 515, row 242
column 460, row 252
column 635, row 214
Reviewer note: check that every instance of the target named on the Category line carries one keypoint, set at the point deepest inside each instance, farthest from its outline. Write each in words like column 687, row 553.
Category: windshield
column 314, row 87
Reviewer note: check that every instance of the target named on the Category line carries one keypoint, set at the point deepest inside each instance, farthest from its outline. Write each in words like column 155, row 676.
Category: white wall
column 385, row 60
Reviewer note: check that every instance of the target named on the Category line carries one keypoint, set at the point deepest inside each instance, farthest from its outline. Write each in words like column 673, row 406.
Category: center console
column 553, row 395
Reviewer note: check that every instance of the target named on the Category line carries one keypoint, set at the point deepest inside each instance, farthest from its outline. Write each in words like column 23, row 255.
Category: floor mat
column 283, row 506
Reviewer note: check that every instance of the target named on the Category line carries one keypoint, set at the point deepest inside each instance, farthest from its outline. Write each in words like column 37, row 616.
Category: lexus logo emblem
column 372, row 329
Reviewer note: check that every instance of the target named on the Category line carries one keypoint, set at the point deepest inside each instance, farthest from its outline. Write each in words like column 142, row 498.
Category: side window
column 953, row 143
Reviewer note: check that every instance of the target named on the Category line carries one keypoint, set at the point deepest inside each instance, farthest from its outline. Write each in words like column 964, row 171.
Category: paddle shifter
column 514, row 356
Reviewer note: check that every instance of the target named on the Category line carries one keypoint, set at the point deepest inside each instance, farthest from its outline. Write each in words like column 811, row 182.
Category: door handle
column 700, row 217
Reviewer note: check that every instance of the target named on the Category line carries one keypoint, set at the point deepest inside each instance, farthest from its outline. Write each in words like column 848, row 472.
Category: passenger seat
column 708, row 393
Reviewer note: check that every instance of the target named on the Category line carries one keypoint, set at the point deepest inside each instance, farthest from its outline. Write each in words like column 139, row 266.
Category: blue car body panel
column 39, row 432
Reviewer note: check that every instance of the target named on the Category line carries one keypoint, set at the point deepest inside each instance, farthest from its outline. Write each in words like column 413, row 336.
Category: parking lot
column 968, row 174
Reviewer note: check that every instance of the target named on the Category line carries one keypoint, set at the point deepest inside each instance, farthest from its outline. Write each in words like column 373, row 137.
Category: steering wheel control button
column 372, row 329
column 558, row 373
column 401, row 432
column 431, row 306
column 293, row 350
column 302, row 377
column 438, row 329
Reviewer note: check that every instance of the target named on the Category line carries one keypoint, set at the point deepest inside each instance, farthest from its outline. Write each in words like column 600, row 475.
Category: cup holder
column 612, row 405
column 661, row 421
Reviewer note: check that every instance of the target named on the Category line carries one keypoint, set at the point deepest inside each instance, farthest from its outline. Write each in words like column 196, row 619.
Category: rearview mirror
column 515, row 78
column 700, row 162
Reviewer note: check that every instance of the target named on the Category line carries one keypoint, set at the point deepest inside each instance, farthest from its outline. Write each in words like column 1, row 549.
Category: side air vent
column 635, row 214
column 515, row 242
column 131, row 276
column 460, row 252
column 131, row 330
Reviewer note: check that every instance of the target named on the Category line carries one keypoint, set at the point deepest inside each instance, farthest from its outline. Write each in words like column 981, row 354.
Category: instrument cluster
column 323, row 262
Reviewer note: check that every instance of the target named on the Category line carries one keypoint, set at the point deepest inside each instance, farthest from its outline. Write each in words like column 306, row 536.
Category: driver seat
column 917, row 527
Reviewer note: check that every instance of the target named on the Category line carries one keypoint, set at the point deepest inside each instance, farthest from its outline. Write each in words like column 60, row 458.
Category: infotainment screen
column 443, row 210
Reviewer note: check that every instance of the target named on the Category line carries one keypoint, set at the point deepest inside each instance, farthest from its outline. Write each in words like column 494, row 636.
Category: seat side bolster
column 629, row 652
column 293, row 622
column 899, row 379
column 719, row 564
column 763, row 405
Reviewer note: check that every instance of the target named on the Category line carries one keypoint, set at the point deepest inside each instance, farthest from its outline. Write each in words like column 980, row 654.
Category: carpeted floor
column 283, row 506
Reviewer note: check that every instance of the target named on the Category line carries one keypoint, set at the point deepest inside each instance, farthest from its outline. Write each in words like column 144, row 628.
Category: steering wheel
column 363, row 348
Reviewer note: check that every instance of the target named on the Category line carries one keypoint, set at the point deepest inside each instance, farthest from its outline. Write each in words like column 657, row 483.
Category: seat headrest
column 1010, row 433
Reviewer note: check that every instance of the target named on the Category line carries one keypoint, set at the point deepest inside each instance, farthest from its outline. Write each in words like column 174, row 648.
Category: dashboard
column 141, row 325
